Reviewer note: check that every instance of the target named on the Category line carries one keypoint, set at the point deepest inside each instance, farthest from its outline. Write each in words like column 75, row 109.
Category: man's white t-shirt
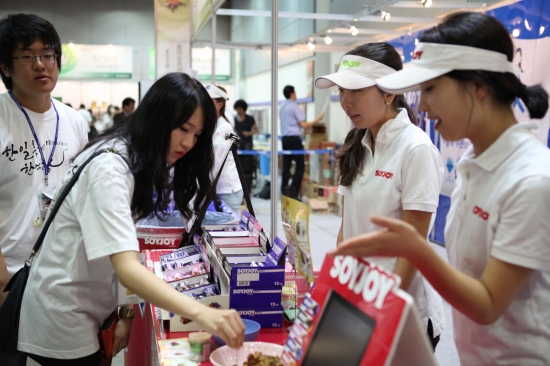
column 229, row 181
column 405, row 173
column 72, row 285
column 22, row 172
column 500, row 208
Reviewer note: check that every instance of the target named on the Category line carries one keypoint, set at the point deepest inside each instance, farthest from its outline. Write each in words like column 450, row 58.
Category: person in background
column 498, row 276
column 92, row 241
column 229, row 188
column 106, row 120
column 245, row 125
column 293, row 124
column 388, row 166
column 38, row 137
column 128, row 106
column 85, row 114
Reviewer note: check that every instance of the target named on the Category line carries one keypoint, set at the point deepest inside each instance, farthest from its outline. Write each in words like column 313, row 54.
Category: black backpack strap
column 60, row 200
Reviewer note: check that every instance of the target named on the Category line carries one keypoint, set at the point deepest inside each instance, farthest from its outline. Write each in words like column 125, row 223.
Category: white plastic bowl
column 225, row 356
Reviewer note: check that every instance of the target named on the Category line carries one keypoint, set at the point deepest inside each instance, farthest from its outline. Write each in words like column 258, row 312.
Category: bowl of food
column 251, row 353
column 250, row 334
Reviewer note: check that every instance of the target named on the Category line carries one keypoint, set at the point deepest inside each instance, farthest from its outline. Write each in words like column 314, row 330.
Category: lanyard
column 45, row 164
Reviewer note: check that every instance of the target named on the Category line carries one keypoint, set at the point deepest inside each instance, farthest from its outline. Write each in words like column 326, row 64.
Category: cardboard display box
column 267, row 317
column 255, row 297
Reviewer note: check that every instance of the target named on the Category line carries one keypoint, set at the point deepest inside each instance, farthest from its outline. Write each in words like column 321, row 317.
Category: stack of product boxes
column 256, row 288
column 252, row 279
column 184, row 270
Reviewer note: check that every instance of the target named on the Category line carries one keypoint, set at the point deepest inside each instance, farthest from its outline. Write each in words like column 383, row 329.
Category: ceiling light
column 328, row 40
column 329, row 30
column 515, row 33
column 310, row 46
column 71, row 45
column 385, row 15
column 353, row 30
column 426, row 3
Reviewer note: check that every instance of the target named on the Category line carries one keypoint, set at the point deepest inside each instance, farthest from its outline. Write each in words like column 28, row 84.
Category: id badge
column 45, row 196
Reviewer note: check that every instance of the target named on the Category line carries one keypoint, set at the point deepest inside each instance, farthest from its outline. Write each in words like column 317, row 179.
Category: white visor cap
column 216, row 92
column 355, row 72
column 432, row 60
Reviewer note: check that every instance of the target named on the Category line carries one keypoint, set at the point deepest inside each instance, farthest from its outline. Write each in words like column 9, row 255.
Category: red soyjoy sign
column 364, row 295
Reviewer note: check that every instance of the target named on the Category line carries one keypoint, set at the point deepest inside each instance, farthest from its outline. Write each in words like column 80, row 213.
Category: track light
column 353, row 30
column 426, row 3
column 385, row 15
column 328, row 40
column 310, row 46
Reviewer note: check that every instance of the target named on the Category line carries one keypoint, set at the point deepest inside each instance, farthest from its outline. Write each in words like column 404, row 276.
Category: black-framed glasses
column 47, row 58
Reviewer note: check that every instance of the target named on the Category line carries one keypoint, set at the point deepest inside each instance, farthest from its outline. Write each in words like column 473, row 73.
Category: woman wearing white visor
column 497, row 231
column 388, row 166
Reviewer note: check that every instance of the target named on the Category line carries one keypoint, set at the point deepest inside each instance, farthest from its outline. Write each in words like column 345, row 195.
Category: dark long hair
column 169, row 104
column 351, row 158
column 485, row 32
column 22, row 30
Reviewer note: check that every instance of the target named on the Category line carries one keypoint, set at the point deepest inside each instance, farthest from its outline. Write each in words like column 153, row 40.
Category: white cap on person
column 216, row 92
column 432, row 60
column 355, row 72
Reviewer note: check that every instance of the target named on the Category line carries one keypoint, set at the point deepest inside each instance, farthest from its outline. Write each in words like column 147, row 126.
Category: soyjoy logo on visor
column 350, row 64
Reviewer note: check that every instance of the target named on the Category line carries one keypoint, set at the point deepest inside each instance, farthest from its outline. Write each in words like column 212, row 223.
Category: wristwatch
column 127, row 313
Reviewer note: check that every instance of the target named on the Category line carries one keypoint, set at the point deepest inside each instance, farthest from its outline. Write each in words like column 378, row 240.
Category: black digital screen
column 341, row 336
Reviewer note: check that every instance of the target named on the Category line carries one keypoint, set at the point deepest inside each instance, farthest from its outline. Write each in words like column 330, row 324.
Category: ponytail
column 351, row 157
column 535, row 99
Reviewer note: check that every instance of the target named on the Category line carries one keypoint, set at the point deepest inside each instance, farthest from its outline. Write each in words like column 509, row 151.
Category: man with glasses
column 38, row 137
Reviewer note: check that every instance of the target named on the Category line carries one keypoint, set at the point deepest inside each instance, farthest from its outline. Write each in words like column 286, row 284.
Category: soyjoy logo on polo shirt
column 248, row 291
column 349, row 64
column 381, row 173
column 417, row 55
column 160, row 241
column 479, row 212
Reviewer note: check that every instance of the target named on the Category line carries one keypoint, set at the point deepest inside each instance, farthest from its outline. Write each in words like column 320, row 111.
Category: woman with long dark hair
column 497, row 230
column 388, row 166
column 164, row 147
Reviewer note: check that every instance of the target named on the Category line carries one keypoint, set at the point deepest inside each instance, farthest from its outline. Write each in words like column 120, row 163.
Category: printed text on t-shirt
column 381, row 173
column 479, row 212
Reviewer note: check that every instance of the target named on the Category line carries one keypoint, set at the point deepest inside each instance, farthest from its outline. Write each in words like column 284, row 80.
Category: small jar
column 199, row 345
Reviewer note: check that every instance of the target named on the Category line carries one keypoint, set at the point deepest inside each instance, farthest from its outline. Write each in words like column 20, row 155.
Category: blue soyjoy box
column 259, row 297
column 246, row 276
column 267, row 317
column 268, row 275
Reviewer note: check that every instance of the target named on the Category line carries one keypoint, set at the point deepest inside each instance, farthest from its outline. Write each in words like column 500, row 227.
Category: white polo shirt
column 229, row 181
column 405, row 173
column 500, row 207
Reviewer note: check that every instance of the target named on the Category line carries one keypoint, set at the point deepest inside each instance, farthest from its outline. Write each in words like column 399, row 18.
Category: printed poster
column 295, row 217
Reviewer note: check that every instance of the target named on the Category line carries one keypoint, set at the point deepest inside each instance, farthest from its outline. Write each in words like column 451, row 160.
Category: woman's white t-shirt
column 229, row 181
column 72, row 285
column 500, row 208
column 405, row 173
